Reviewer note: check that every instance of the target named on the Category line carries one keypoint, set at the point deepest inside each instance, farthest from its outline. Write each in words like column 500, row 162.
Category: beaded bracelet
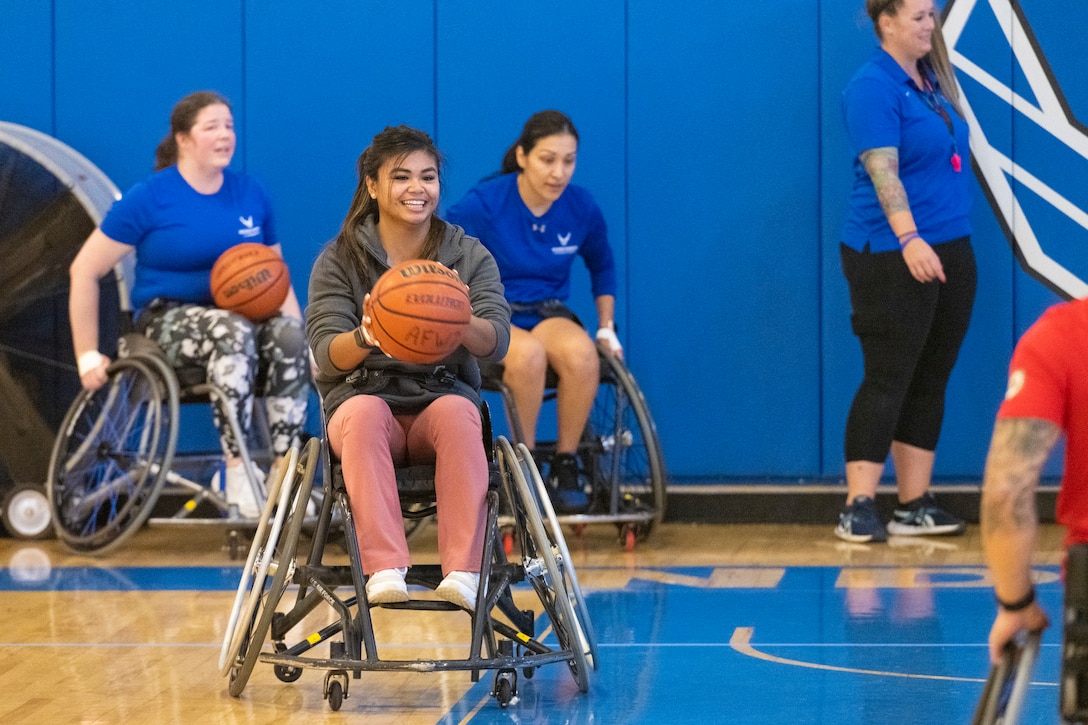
column 910, row 236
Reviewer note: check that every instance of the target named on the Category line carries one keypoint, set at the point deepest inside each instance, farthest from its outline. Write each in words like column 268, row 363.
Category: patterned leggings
column 234, row 350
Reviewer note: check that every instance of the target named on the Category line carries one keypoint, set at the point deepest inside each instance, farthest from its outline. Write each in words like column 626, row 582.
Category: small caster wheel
column 505, row 687
column 27, row 513
column 336, row 688
column 287, row 673
column 336, row 696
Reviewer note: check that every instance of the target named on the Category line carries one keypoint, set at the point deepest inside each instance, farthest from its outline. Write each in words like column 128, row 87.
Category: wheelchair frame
column 115, row 450
column 620, row 452
column 503, row 644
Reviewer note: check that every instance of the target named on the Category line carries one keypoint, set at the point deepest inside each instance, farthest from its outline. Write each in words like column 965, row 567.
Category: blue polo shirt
column 883, row 107
column 178, row 232
column 535, row 253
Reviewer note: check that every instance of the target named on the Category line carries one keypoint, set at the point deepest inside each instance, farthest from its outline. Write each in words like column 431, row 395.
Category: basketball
column 250, row 279
column 419, row 311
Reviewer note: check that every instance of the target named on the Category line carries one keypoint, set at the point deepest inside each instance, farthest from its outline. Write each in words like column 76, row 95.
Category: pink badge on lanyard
column 956, row 163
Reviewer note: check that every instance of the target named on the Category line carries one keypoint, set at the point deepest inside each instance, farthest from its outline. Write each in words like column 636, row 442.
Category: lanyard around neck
column 931, row 96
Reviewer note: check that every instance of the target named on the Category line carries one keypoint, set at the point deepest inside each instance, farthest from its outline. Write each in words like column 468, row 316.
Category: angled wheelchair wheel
column 540, row 559
column 621, row 450
column 563, row 558
column 111, row 456
column 259, row 563
column 1006, row 687
column 254, row 629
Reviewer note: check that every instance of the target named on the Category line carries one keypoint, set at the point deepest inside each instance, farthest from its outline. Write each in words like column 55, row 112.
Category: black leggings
column 910, row 336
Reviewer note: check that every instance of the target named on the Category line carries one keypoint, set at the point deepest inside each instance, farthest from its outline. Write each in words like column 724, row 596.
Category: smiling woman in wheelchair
column 383, row 412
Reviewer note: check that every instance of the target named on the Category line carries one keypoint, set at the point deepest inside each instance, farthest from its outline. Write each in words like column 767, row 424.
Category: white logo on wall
column 564, row 240
column 1029, row 150
column 248, row 231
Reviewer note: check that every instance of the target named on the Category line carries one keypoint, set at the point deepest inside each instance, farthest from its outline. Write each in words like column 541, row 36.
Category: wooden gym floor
column 701, row 623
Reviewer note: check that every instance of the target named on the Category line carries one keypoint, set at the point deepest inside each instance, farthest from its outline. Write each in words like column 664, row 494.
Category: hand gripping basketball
column 418, row 311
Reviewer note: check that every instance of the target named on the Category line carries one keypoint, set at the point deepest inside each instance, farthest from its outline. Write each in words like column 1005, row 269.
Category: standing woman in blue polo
column 906, row 254
column 535, row 222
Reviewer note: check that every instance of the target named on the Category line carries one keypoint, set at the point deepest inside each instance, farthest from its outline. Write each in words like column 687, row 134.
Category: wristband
column 359, row 337
column 607, row 334
column 88, row 361
column 908, row 237
column 1020, row 604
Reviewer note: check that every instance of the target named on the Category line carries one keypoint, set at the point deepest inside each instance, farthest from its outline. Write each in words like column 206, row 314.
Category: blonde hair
column 936, row 59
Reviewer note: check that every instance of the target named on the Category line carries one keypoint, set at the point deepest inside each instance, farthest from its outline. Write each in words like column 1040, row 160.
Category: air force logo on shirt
column 248, row 231
column 565, row 247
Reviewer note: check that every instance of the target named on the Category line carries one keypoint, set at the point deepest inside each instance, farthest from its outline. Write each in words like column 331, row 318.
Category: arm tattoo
column 883, row 167
column 1018, row 451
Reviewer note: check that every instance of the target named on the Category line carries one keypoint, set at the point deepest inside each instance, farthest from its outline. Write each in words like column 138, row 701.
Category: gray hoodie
column 335, row 305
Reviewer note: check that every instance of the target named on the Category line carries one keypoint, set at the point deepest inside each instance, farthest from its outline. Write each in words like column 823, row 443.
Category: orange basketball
column 250, row 279
column 419, row 311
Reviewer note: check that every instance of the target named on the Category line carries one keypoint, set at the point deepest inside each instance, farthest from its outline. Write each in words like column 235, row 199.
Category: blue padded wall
column 711, row 137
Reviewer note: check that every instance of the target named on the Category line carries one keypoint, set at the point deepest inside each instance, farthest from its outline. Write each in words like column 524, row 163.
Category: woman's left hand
column 922, row 261
column 607, row 341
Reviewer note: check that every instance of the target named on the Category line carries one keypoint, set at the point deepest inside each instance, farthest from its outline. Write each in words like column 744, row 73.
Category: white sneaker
column 460, row 587
column 387, row 586
column 239, row 490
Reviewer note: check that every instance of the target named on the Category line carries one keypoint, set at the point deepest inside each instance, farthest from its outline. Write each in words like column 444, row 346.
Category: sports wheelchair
column 503, row 637
column 116, row 451
column 619, row 454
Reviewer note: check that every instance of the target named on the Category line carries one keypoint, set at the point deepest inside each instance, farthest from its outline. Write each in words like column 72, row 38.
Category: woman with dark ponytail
column 535, row 221
column 177, row 223
column 383, row 412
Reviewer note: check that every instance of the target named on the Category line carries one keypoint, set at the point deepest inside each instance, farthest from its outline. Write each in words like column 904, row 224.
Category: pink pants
column 369, row 441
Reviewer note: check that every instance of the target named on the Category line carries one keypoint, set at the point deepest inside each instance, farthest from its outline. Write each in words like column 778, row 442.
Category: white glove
column 607, row 336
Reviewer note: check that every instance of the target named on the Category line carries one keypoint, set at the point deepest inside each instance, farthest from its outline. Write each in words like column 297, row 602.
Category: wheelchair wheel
column 282, row 565
column 111, row 456
column 26, row 512
column 621, row 450
column 257, row 565
column 540, row 560
column 586, row 634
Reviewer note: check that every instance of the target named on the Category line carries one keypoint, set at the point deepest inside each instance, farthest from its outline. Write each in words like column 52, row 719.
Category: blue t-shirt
column 178, row 232
column 883, row 107
column 534, row 253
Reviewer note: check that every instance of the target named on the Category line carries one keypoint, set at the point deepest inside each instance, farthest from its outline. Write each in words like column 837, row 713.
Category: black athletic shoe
column 568, row 495
column 922, row 517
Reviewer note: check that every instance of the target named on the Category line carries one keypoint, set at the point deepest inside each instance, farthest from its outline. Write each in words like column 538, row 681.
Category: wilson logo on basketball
column 414, row 270
column 252, row 281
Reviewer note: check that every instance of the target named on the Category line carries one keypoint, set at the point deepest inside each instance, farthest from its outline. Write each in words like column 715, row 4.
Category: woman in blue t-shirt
column 906, row 254
column 177, row 223
column 534, row 221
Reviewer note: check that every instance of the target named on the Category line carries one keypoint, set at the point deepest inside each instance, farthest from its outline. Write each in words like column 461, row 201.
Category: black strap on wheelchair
column 365, row 379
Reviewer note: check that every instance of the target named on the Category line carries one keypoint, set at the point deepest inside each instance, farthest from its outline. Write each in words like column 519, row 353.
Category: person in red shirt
column 1047, row 397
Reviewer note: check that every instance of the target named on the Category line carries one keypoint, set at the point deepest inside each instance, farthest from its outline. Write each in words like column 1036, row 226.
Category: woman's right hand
column 92, row 369
column 922, row 261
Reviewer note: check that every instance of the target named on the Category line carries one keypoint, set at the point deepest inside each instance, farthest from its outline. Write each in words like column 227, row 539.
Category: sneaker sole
column 908, row 530
column 453, row 595
column 392, row 596
column 859, row 538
